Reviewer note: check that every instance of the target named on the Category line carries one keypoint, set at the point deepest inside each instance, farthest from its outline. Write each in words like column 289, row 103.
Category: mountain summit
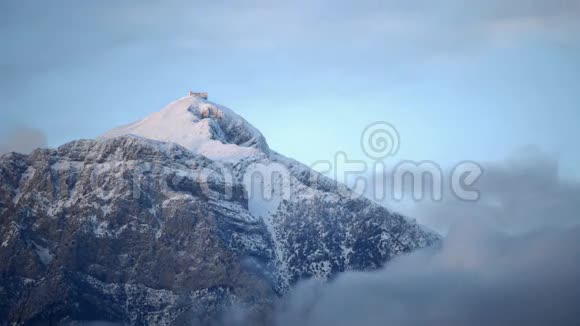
column 200, row 126
column 156, row 223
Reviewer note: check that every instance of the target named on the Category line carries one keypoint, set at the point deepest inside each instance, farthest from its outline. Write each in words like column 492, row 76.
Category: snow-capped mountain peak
column 202, row 127
column 137, row 228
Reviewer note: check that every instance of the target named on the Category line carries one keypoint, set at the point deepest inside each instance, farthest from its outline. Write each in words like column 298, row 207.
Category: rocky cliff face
column 143, row 231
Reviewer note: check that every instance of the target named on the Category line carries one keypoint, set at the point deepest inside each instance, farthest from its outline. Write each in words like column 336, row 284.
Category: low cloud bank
column 478, row 277
column 511, row 258
column 522, row 193
column 22, row 140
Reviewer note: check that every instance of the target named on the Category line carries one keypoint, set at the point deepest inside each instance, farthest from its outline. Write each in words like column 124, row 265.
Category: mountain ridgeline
column 124, row 229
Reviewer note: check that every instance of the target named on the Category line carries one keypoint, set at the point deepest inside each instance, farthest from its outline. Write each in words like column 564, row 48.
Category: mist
column 22, row 140
column 478, row 277
column 510, row 258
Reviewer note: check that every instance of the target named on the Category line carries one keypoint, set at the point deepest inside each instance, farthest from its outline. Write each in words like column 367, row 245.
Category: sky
column 459, row 80
column 495, row 82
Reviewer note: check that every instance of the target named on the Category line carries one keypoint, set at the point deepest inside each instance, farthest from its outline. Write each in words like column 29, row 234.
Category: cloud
column 340, row 20
column 391, row 29
column 511, row 259
column 59, row 50
column 22, row 140
column 478, row 277
column 76, row 30
column 523, row 193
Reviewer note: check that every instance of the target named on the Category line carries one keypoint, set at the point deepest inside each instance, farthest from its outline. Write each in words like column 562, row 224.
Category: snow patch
column 43, row 253
column 198, row 125
column 102, row 230
column 27, row 175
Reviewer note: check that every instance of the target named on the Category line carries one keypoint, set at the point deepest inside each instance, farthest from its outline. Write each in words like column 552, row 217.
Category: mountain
column 175, row 219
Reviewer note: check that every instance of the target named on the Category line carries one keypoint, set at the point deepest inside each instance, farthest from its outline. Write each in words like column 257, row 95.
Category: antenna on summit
column 198, row 94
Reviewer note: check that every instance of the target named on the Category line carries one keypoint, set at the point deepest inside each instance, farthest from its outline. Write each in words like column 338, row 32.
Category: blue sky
column 460, row 80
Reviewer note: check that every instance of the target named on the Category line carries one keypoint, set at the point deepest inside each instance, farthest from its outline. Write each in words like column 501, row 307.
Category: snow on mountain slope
column 131, row 227
column 202, row 127
column 218, row 133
